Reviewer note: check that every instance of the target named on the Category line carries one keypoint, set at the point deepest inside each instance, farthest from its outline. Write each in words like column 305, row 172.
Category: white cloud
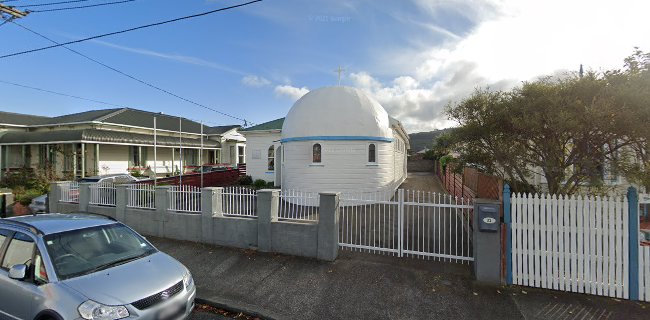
column 293, row 93
column 515, row 41
column 171, row 56
column 255, row 81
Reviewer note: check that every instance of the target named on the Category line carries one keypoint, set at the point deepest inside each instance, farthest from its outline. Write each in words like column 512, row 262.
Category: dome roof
column 338, row 113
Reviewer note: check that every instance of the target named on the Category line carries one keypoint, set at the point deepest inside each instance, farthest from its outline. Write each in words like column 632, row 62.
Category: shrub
column 26, row 197
column 259, row 184
column 28, row 179
column 246, row 180
column 270, row 184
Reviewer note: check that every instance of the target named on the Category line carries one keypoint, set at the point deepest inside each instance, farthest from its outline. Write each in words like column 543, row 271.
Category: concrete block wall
column 264, row 233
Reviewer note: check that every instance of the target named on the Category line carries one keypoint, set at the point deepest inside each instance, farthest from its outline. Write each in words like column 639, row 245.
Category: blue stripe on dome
column 338, row 138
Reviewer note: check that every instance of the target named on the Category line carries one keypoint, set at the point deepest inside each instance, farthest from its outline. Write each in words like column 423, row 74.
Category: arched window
column 316, row 153
column 271, row 159
column 372, row 153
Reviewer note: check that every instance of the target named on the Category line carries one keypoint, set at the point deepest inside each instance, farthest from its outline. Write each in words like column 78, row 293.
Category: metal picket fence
column 239, row 201
column 141, row 196
column 102, row 193
column 298, row 205
column 185, row 199
column 69, row 192
column 407, row 223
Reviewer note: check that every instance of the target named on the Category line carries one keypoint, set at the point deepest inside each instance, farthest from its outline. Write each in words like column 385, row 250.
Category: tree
column 569, row 129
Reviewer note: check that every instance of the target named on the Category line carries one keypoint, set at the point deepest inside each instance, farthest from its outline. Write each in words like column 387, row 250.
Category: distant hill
column 423, row 140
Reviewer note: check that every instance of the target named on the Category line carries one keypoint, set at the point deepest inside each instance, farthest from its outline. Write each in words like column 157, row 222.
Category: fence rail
column 239, row 201
column 575, row 243
column 141, row 196
column 298, row 205
column 69, row 192
column 184, row 199
column 102, row 193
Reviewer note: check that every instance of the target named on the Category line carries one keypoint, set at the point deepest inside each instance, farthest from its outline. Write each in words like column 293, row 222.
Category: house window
column 316, row 153
column 271, row 159
column 134, row 156
column 372, row 153
column 242, row 155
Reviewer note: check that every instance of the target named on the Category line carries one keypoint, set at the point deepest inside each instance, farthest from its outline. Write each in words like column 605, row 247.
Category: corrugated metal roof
column 120, row 116
column 271, row 125
column 102, row 136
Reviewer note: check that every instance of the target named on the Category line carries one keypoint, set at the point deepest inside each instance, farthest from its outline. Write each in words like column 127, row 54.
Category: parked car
column 83, row 266
column 118, row 178
column 39, row 204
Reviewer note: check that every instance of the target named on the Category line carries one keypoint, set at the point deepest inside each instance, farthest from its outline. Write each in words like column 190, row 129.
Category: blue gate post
column 633, row 202
column 507, row 219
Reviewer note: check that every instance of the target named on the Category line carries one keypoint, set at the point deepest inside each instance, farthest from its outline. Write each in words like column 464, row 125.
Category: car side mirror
column 18, row 272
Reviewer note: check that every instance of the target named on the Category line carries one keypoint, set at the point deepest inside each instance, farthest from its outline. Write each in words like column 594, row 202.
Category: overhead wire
column 130, row 29
column 246, row 122
column 47, row 4
column 81, row 7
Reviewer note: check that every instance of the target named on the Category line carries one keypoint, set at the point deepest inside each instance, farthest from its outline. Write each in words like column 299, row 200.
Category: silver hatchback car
column 82, row 266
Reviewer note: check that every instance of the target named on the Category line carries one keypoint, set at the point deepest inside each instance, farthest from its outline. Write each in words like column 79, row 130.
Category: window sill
column 372, row 165
column 316, row 165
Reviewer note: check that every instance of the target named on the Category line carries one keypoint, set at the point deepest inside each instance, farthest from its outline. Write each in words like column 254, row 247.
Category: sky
column 254, row 62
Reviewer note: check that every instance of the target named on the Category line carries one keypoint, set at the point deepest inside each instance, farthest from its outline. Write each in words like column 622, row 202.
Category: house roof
column 101, row 136
column 119, row 116
column 271, row 125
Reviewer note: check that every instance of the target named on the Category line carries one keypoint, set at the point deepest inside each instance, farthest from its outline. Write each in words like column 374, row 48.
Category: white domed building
column 332, row 139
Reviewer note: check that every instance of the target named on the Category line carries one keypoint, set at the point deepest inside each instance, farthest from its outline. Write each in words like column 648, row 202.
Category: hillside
column 421, row 140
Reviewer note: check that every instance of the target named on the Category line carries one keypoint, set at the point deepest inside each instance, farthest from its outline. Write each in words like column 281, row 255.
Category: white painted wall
column 113, row 159
column 344, row 167
column 256, row 155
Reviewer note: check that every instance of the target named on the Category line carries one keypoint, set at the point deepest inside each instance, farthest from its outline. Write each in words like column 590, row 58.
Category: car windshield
column 78, row 252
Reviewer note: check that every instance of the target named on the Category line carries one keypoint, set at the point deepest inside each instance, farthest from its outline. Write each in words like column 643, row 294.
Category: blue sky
column 414, row 56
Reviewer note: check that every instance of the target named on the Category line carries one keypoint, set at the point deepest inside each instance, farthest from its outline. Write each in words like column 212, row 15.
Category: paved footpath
column 364, row 286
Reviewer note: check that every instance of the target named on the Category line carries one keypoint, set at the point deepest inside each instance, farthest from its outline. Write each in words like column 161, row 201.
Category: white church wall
column 344, row 167
column 257, row 155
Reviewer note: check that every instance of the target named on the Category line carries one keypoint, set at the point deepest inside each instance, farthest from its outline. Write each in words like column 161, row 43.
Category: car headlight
column 92, row 310
column 187, row 279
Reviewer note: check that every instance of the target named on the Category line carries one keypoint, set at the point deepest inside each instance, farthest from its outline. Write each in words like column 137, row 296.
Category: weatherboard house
column 332, row 139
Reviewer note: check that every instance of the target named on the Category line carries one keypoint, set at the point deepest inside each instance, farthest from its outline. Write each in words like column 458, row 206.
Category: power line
column 61, row 94
column 133, row 77
column 82, row 7
column 46, row 4
column 88, row 99
column 131, row 29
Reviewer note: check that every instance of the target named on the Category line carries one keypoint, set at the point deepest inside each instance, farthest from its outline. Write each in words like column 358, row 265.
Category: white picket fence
column 102, row 193
column 298, row 205
column 239, row 201
column 141, row 196
column 69, row 192
column 407, row 223
column 576, row 243
column 644, row 273
column 184, row 199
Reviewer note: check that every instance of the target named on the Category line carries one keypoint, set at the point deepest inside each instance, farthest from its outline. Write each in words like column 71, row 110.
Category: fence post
column 507, row 220
column 84, row 196
column 267, row 213
column 54, row 196
column 162, row 205
column 633, row 243
column 121, row 199
column 328, row 226
column 211, row 206
column 400, row 221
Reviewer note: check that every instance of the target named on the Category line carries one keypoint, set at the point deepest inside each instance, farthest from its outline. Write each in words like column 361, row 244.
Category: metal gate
column 407, row 223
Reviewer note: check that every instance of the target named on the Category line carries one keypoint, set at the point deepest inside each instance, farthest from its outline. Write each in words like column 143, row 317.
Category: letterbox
column 488, row 217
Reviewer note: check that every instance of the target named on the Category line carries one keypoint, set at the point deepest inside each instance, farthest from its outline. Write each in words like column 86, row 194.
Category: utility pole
column 8, row 13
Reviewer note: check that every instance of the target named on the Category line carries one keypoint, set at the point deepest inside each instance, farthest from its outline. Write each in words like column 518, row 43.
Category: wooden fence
column 470, row 183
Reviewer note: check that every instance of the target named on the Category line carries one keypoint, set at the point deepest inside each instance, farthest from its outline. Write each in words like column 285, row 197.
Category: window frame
column 5, row 248
column 374, row 154
column 270, row 156
column 320, row 154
